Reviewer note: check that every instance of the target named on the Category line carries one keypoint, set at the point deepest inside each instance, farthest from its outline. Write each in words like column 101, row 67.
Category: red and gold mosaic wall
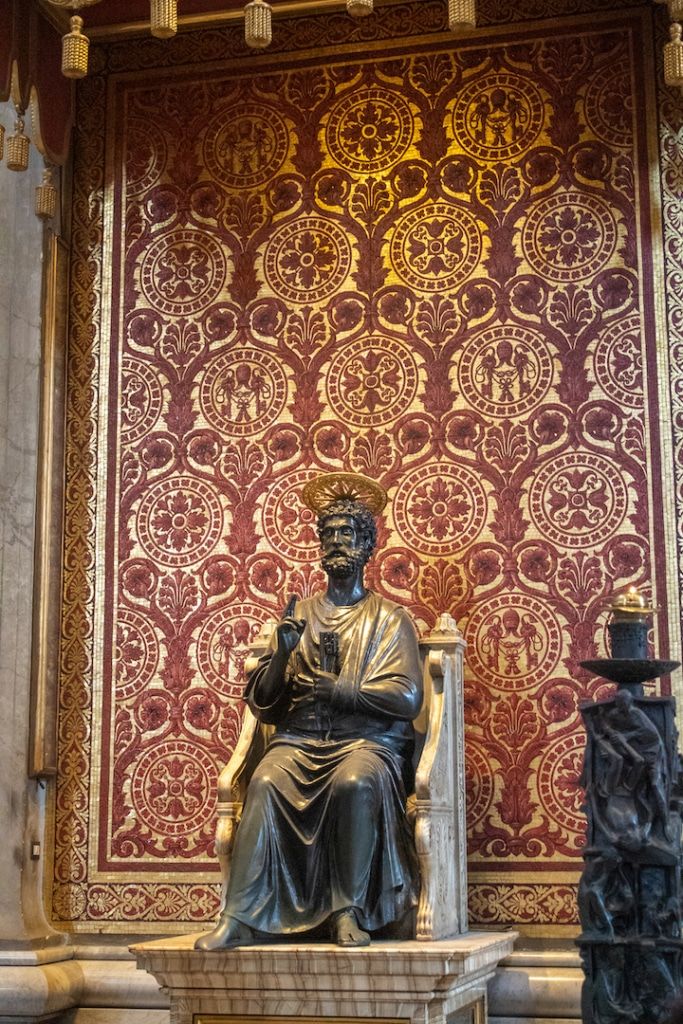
column 427, row 262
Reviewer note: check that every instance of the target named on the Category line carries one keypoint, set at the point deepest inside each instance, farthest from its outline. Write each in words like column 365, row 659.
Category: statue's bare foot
column 347, row 932
column 227, row 934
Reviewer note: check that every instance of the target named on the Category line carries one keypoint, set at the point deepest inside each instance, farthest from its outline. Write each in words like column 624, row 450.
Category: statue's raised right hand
column 289, row 629
column 289, row 632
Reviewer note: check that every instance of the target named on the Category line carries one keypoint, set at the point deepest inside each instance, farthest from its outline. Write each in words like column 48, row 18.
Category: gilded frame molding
column 49, row 511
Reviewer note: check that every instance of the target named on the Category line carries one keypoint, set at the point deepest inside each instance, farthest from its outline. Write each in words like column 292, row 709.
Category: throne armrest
column 234, row 778
column 440, row 835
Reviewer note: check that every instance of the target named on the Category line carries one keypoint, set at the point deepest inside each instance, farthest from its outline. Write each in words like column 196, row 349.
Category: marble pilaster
column 27, row 943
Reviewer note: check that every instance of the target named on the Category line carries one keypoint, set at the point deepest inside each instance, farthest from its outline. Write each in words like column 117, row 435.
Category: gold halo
column 320, row 493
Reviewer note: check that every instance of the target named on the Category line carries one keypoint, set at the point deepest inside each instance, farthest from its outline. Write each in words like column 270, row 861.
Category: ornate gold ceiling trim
column 186, row 22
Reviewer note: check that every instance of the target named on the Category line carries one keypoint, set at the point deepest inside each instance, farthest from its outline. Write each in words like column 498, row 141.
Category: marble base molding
column 99, row 988
column 425, row 982
column 96, row 983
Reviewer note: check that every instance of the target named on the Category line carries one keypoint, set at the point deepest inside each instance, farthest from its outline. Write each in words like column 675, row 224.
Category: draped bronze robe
column 324, row 824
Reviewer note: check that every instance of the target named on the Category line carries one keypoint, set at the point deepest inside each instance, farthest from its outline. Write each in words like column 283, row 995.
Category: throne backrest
column 437, row 806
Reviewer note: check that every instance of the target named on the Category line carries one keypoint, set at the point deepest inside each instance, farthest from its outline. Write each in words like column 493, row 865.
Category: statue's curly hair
column 362, row 516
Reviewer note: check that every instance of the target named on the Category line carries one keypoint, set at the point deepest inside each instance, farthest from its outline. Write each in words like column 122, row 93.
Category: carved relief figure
column 606, row 898
column 659, row 909
column 631, row 781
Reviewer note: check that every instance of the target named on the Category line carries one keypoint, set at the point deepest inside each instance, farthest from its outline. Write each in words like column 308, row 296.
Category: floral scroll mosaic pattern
column 424, row 267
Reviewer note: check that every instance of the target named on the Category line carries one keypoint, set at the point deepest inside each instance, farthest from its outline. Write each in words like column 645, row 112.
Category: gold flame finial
column 632, row 603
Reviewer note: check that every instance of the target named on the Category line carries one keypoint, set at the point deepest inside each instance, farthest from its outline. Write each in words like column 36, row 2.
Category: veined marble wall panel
column 20, row 297
column 377, row 249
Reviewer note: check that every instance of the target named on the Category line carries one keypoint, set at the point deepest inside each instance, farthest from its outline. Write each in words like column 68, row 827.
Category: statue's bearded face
column 342, row 547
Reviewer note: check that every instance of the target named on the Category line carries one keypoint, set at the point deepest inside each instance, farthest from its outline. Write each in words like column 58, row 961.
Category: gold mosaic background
column 429, row 264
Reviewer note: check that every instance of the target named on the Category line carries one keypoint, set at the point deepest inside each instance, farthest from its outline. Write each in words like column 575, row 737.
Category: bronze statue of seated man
column 324, row 837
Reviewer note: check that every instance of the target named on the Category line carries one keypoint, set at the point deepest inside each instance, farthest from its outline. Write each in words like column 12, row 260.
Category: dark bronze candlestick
column 630, row 890
column 629, row 666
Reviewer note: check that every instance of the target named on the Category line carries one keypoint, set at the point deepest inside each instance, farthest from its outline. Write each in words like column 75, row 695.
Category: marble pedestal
column 425, row 982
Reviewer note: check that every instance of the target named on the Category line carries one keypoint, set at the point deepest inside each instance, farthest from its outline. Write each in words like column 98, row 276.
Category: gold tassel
column 461, row 14
column 673, row 57
column 2, row 140
column 359, row 8
column 17, row 147
column 163, row 16
column 75, row 50
column 46, row 196
column 675, row 10
column 258, row 28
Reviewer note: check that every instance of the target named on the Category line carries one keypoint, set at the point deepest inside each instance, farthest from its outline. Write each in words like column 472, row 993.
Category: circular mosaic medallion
column 182, row 272
column 515, row 640
column 609, row 107
column 141, row 399
column 369, row 130
column 223, row 646
column 478, row 782
column 436, row 247
column 440, row 509
column 179, row 521
column 173, row 788
column 243, row 392
column 245, row 145
column 288, row 524
column 201, row 711
column 505, row 371
column 307, row 260
column 619, row 363
column 558, row 781
column 577, row 500
column 372, row 381
column 69, row 901
column 152, row 711
column 146, row 154
column 498, row 116
column 136, row 655
column 569, row 236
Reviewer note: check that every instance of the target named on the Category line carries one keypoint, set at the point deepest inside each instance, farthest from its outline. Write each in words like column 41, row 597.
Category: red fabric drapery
column 29, row 43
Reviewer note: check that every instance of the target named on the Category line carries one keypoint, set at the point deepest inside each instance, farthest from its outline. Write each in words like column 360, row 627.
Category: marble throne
column 436, row 808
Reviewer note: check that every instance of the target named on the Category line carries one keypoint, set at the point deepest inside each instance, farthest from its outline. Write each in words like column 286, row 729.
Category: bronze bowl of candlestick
column 630, row 673
column 629, row 667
